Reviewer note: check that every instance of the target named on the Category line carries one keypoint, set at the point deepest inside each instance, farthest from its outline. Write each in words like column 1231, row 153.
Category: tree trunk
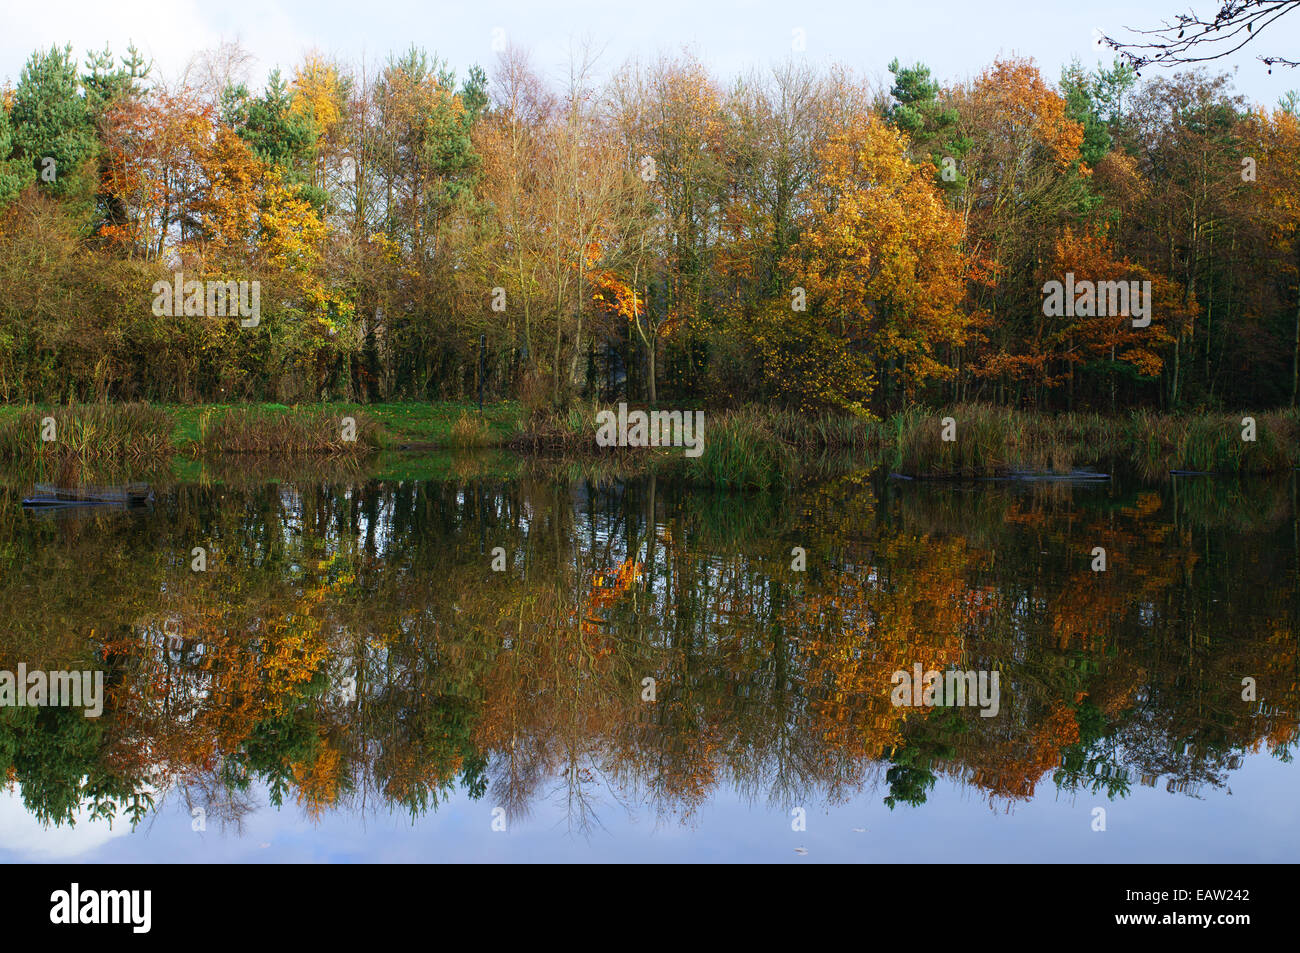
column 1295, row 357
column 650, row 384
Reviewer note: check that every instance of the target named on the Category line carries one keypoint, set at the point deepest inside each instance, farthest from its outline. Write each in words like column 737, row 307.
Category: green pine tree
column 930, row 125
column 15, row 174
column 52, row 128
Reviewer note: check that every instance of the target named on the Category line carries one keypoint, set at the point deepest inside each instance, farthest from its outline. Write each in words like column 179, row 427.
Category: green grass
column 424, row 424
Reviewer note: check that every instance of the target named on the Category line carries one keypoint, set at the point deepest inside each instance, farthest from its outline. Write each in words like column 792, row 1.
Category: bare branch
column 1190, row 38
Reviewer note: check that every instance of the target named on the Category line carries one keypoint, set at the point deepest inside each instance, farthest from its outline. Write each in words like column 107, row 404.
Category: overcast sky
column 956, row 38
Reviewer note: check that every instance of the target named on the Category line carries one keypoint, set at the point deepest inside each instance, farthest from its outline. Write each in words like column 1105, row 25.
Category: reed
column 987, row 440
column 742, row 448
column 288, row 432
column 549, row 430
column 1157, row 444
column 992, row 440
column 470, row 430
column 86, row 437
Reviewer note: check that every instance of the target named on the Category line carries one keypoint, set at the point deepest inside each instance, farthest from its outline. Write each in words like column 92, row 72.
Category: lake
column 543, row 666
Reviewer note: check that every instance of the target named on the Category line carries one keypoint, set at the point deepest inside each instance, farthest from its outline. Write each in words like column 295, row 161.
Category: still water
column 533, row 668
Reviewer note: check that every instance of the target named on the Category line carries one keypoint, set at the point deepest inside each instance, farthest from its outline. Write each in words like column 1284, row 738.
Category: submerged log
column 130, row 494
column 1006, row 473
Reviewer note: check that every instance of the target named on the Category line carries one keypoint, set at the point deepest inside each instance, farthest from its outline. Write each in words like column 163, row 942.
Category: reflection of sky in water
column 1257, row 823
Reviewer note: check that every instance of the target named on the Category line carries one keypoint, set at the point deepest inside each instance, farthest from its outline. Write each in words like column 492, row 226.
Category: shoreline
column 744, row 447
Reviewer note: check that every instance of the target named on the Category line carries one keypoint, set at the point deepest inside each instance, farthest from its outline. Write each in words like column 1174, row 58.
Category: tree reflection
column 351, row 647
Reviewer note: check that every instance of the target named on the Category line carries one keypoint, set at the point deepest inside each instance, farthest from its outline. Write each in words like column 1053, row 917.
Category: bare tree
column 1191, row 38
column 211, row 71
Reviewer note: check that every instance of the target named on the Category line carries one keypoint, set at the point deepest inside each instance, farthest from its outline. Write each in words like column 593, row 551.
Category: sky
column 1150, row 825
column 956, row 38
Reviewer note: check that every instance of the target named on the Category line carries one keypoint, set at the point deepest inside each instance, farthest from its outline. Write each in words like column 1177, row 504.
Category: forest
column 798, row 238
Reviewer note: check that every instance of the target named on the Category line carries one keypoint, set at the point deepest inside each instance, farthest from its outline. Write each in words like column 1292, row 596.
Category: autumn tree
column 1024, row 171
column 882, row 259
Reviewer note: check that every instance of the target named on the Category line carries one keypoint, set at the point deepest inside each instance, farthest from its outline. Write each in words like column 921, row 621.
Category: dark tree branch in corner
column 1193, row 39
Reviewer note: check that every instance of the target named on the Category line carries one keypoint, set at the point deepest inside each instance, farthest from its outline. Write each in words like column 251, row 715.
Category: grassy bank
column 746, row 447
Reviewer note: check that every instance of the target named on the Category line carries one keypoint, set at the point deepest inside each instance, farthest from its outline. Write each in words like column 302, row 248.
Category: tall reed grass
column 763, row 447
column 291, row 432
column 744, row 448
column 549, row 430
column 470, row 430
column 1213, row 443
column 992, row 440
column 91, row 442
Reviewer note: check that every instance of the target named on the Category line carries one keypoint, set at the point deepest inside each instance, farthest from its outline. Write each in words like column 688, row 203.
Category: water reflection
column 350, row 644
